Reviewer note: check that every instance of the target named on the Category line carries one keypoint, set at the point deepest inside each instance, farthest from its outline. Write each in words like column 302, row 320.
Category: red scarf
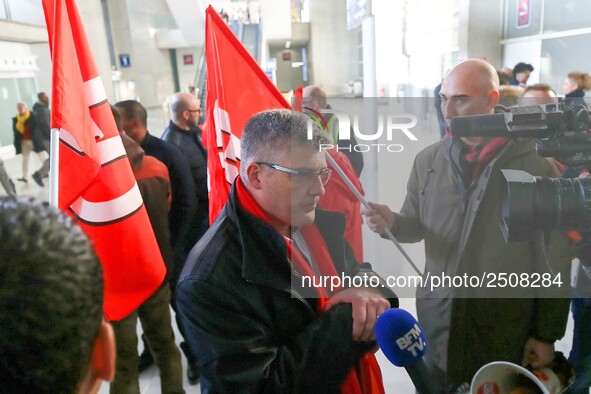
column 480, row 157
column 365, row 377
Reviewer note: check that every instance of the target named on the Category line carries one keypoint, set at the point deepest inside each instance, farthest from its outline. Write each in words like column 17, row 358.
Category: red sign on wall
column 187, row 60
column 523, row 14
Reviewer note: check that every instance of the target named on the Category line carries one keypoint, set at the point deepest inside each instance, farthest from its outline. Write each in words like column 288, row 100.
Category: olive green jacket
column 470, row 326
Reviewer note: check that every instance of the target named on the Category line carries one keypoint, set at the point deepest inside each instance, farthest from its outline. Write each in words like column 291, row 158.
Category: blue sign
column 125, row 60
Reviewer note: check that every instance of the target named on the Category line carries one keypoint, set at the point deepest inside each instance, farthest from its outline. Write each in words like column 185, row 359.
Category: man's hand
column 537, row 354
column 379, row 217
column 367, row 305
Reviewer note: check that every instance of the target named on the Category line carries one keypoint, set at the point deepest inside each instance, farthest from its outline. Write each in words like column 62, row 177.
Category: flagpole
column 352, row 187
column 54, row 159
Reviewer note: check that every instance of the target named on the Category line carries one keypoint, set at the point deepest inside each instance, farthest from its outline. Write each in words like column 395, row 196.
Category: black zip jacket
column 251, row 330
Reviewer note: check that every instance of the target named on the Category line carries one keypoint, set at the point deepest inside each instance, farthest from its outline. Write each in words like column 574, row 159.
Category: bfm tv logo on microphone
column 386, row 123
column 412, row 341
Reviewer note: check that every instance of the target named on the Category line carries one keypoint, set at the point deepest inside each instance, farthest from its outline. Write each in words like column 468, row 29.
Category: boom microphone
column 401, row 338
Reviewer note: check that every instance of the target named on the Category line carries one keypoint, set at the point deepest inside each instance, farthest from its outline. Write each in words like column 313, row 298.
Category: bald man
column 184, row 132
column 314, row 100
column 453, row 204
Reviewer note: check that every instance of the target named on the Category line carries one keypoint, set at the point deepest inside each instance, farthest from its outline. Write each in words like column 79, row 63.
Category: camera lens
column 530, row 203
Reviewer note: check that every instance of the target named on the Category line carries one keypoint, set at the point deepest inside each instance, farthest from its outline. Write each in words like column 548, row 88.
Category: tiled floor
column 395, row 379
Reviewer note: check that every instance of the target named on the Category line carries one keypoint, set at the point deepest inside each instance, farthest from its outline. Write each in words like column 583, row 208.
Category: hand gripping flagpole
column 54, row 159
column 352, row 187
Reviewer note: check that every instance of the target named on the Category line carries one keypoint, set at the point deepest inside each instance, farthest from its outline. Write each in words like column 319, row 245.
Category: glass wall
column 563, row 55
column 12, row 91
column 26, row 11
column 3, row 14
column 557, row 38
column 566, row 15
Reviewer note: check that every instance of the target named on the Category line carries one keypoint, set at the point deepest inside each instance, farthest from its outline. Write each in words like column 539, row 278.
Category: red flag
column 237, row 88
column 97, row 185
column 339, row 197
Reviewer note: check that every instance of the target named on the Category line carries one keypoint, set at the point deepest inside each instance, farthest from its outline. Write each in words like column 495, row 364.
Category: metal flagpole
column 54, row 159
column 388, row 233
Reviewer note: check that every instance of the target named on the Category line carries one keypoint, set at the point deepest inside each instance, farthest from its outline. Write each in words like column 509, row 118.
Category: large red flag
column 237, row 88
column 96, row 183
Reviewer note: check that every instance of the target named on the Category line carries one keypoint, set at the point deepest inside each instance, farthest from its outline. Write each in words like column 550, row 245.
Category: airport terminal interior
column 389, row 55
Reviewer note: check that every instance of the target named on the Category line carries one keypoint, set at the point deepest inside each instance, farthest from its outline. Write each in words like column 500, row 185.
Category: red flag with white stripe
column 96, row 183
column 237, row 88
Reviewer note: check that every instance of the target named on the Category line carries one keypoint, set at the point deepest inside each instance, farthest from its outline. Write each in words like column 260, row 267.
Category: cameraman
column 453, row 203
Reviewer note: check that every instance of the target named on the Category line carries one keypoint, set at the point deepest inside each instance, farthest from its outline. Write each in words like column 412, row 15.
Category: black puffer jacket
column 249, row 324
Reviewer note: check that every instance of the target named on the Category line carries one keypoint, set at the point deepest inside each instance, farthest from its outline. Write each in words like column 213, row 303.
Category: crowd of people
column 247, row 322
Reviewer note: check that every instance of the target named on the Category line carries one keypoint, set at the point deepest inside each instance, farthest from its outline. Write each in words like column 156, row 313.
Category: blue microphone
column 402, row 340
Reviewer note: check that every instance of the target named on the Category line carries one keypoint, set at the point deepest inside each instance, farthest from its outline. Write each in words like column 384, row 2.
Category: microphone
column 493, row 125
column 402, row 340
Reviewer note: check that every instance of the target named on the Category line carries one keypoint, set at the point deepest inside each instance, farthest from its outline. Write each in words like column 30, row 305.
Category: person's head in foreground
column 52, row 335
column 282, row 168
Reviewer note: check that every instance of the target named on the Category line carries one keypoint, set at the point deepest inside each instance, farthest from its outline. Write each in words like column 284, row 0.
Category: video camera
column 530, row 203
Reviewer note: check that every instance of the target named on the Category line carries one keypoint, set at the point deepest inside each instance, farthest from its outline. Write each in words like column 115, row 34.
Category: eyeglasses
column 194, row 110
column 308, row 176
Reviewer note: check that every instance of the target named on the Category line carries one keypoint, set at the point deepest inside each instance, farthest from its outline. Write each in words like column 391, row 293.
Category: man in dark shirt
column 183, row 131
column 41, row 109
column 183, row 204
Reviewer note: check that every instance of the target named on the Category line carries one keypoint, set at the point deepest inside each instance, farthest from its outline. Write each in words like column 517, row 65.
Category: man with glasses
column 183, row 131
column 252, row 321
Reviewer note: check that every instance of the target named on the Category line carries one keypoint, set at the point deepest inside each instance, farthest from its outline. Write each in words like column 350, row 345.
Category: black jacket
column 36, row 136
column 575, row 97
column 43, row 115
column 183, row 203
column 189, row 143
column 251, row 330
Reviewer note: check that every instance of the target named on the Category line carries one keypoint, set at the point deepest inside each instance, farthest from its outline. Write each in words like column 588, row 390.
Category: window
column 26, row 11
column 12, row 91
column 566, row 15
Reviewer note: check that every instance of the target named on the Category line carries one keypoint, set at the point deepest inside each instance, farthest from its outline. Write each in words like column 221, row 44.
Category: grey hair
column 269, row 135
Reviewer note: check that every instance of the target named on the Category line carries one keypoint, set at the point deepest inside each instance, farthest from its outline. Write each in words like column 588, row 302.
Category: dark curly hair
column 51, row 298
